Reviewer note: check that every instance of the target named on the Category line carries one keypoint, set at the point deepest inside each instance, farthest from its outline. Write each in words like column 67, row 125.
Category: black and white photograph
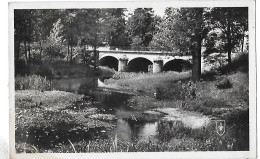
column 141, row 79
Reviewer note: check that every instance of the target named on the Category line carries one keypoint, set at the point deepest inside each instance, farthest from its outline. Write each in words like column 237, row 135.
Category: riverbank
column 47, row 121
column 57, row 121
column 222, row 94
column 180, row 114
column 147, row 82
column 200, row 96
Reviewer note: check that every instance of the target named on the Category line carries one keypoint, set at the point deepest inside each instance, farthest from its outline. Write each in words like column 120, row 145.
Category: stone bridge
column 144, row 61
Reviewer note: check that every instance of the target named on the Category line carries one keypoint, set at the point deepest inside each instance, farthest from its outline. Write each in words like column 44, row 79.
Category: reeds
column 33, row 82
column 72, row 146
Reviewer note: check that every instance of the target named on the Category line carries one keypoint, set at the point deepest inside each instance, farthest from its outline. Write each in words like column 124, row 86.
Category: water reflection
column 129, row 130
column 75, row 85
column 114, row 101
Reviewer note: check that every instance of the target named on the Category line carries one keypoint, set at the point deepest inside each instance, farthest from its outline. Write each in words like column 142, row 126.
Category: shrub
column 172, row 129
column 206, row 106
column 105, row 72
column 65, row 69
column 127, row 75
column 224, row 83
column 177, row 91
column 215, row 103
column 32, row 82
column 240, row 62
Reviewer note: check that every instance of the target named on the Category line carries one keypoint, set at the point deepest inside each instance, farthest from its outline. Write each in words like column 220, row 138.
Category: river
column 114, row 101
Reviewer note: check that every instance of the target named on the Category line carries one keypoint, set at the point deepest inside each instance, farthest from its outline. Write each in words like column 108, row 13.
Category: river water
column 114, row 101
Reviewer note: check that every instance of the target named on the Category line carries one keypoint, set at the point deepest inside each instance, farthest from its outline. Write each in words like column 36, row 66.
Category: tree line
column 49, row 35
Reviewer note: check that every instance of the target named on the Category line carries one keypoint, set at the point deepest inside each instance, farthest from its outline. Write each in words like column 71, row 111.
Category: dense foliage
column 52, row 35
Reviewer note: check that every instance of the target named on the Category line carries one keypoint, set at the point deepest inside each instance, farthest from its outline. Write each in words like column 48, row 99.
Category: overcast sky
column 157, row 11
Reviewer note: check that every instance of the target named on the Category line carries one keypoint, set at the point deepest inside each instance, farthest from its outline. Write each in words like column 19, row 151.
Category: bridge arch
column 139, row 64
column 178, row 65
column 109, row 61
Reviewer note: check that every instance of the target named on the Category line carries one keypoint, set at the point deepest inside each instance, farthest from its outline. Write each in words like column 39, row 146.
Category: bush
column 127, row 75
column 177, row 91
column 20, row 67
column 206, row 106
column 66, row 69
column 172, row 129
column 105, row 72
column 240, row 63
column 215, row 103
column 32, row 82
column 224, row 84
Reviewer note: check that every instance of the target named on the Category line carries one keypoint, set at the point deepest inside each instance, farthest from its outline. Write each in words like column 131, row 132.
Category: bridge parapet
column 170, row 53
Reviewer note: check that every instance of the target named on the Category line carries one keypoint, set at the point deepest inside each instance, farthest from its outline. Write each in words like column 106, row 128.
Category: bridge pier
column 122, row 64
column 157, row 65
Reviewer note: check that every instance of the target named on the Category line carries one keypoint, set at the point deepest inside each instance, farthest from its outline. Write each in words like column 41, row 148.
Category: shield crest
column 220, row 127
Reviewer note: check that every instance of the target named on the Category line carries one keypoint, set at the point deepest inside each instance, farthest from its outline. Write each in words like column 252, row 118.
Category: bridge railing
column 140, row 48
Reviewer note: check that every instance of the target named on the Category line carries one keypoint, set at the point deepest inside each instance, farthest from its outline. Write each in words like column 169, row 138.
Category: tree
column 141, row 26
column 69, row 30
column 115, row 27
column 89, row 23
column 190, row 32
column 23, row 32
column 164, row 34
column 19, row 33
column 32, row 26
column 53, row 43
column 44, row 20
column 184, row 31
column 233, row 23
column 98, row 27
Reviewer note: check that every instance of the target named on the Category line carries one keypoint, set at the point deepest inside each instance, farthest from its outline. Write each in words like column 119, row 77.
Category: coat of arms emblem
column 220, row 127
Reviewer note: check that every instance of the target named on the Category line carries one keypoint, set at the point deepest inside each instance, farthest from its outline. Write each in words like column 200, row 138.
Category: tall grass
column 176, row 91
column 32, row 82
column 145, row 81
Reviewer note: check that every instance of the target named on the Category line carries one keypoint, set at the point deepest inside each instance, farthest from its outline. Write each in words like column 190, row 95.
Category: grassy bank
column 146, row 81
column 56, row 121
column 219, row 90
column 204, row 96
column 49, row 120
column 220, row 94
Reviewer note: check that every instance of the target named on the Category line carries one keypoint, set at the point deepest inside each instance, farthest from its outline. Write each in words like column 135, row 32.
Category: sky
column 157, row 11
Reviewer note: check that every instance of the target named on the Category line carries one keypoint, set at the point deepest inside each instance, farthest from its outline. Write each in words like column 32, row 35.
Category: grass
column 148, row 82
column 203, row 97
column 54, row 114
column 32, row 82
column 48, row 121
column 221, row 94
column 173, row 138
